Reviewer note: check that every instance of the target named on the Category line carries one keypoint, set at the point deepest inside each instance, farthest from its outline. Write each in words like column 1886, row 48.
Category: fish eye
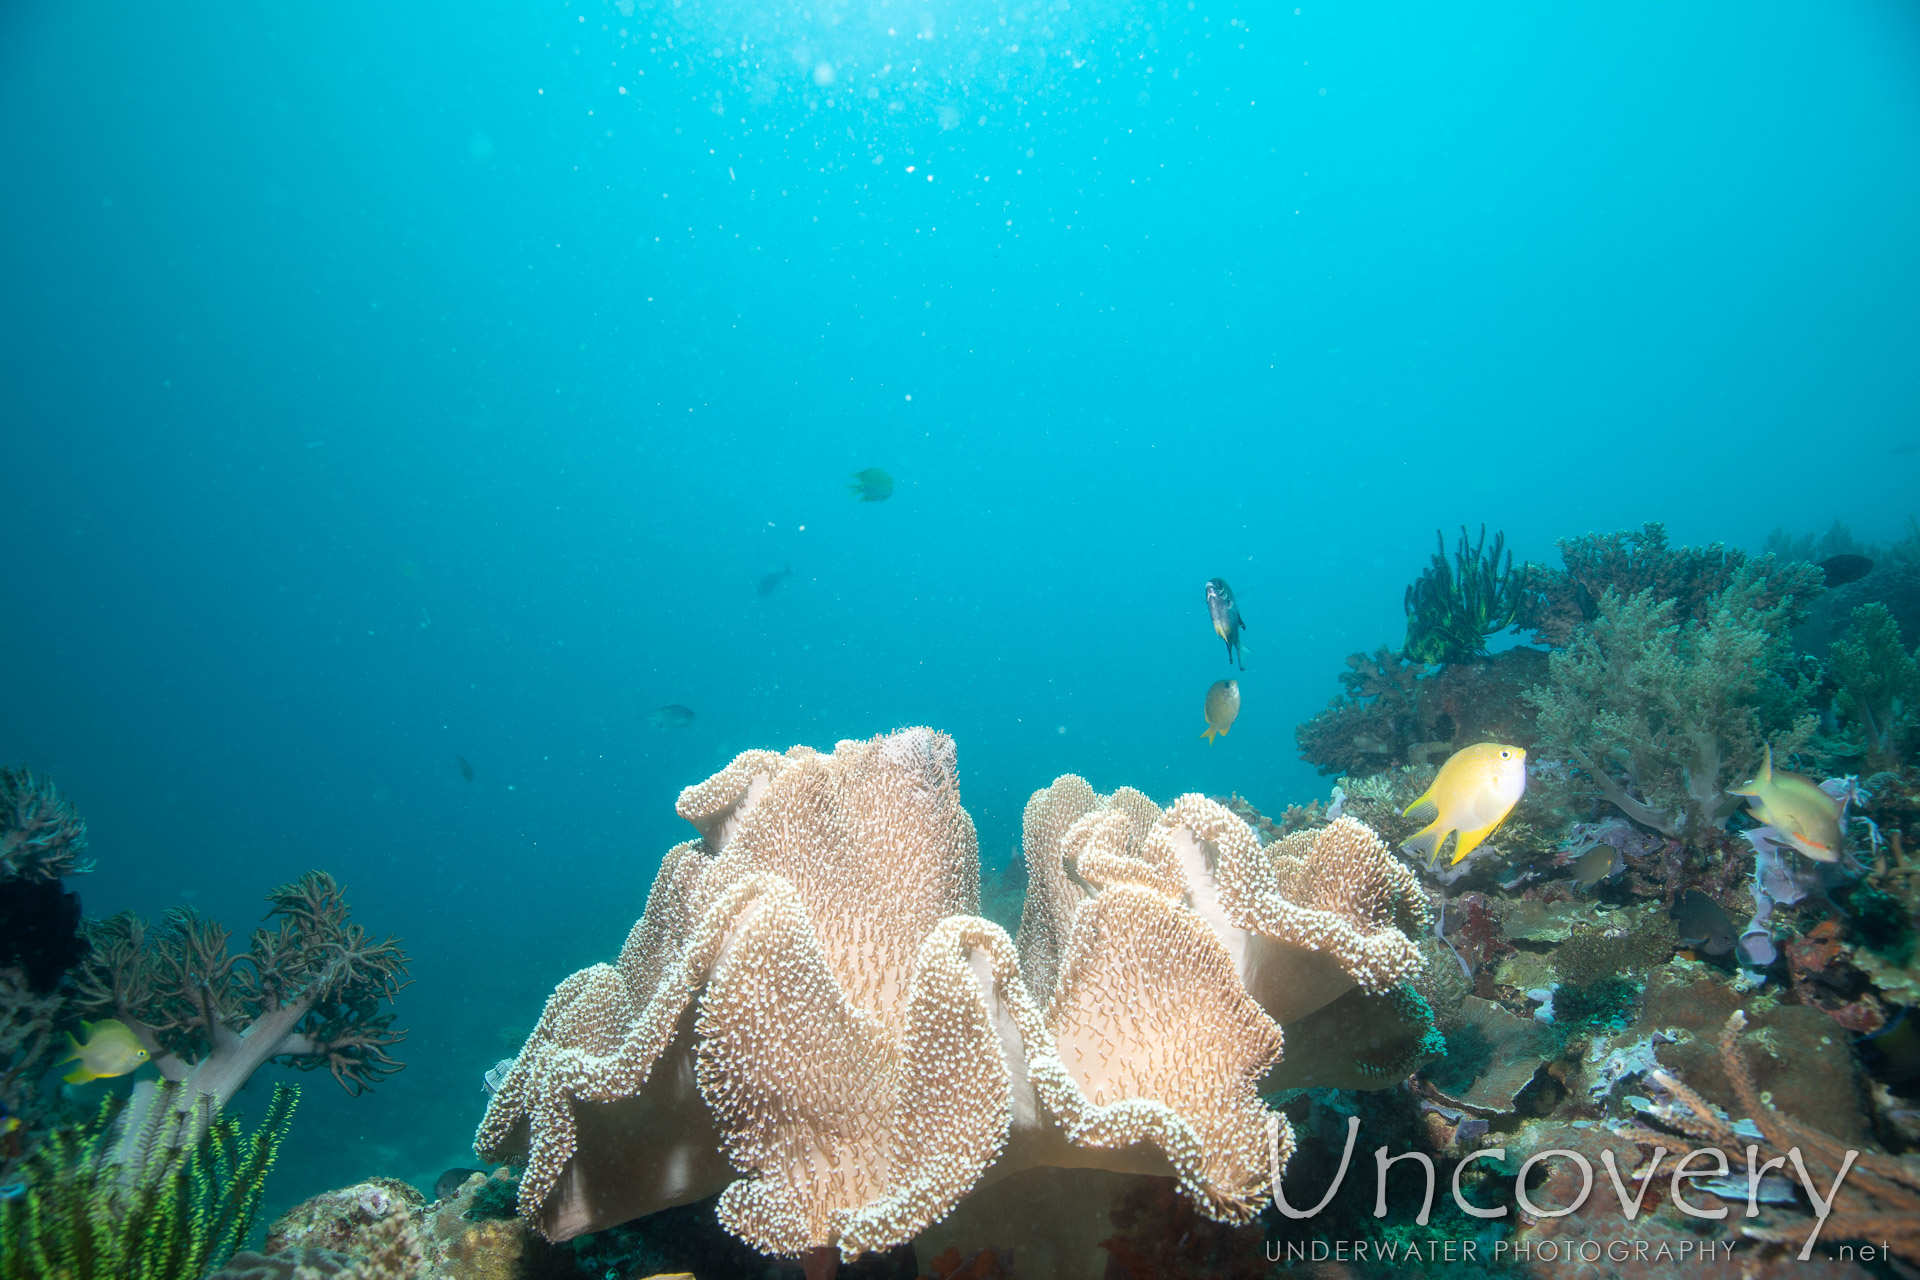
column 1506, row 755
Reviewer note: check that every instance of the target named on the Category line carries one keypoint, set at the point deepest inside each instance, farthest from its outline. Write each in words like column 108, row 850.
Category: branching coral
column 1369, row 725
column 1663, row 715
column 308, row 989
column 1635, row 561
column 28, row 1042
column 41, row 837
column 1879, row 1199
column 1879, row 686
column 810, row 1016
column 1452, row 609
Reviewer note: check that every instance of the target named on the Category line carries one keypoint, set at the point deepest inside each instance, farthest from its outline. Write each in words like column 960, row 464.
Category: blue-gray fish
column 671, row 716
column 1227, row 623
column 1701, row 922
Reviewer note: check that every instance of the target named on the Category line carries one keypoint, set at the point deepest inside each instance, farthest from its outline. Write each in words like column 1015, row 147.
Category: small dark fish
column 770, row 582
column 1893, row 1052
column 872, row 485
column 466, row 770
column 452, row 1180
column 1596, row 864
column 1701, row 922
column 1841, row 570
column 671, row 716
column 1226, row 619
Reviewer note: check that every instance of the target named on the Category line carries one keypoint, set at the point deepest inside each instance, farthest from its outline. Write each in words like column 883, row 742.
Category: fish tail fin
column 1424, row 844
column 1240, row 651
column 1208, row 735
column 1468, row 841
column 1761, row 780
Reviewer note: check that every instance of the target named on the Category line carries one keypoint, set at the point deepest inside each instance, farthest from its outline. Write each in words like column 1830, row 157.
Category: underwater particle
column 1703, row 923
column 671, row 716
column 770, row 582
column 1472, row 794
column 1226, row 619
column 872, row 485
column 111, row 1050
column 1221, row 708
column 1841, row 570
column 466, row 770
column 1794, row 805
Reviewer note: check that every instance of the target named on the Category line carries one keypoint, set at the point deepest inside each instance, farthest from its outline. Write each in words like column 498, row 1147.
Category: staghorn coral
column 1663, row 716
column 307, row 990
column 1452, row 609
column 809, row 1003
column 1880, row 1199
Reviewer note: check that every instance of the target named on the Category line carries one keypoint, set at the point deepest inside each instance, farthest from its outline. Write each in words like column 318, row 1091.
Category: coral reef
column 1392, row 713
column 182, row 1205
column 1635, row 562
column 1664, row 715
column 1879, row 1200
column 307, row 990
column 1879, row 695
column 809, row 990
column 42, row 839
column 1452, row 609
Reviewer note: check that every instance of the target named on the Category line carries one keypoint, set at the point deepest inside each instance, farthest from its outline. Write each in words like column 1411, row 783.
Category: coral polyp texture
column 811, row 1019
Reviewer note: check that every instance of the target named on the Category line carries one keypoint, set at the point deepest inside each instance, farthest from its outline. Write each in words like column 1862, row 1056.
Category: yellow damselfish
column 1794, row 805
column 1221, row 708
column 1473, row 793
column 111, row 1050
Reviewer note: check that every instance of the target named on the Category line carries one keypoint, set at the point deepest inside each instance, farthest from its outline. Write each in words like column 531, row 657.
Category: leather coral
column 812, row 1019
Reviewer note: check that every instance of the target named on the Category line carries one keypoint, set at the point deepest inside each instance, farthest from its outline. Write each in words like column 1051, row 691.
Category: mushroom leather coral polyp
column 812, row 1019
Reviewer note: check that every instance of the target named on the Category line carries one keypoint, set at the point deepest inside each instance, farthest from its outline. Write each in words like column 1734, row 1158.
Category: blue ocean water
column 382, row 387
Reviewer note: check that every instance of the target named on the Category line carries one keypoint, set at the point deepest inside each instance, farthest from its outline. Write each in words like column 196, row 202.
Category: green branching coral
column 1879, row 686
column 1452, row 609
column 1665, row 715
column 171, row 1208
